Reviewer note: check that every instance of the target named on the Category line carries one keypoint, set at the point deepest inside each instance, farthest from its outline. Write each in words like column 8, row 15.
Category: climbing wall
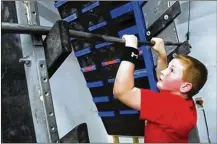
column 99, row 61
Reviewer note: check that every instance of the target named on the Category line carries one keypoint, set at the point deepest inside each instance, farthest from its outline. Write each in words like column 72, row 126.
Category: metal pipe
column 43, row 30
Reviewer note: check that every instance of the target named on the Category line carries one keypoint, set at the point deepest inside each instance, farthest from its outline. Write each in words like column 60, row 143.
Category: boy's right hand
column 159, row 46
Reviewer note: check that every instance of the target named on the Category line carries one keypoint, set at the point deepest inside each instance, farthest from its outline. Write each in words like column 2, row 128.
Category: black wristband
column 130, row 54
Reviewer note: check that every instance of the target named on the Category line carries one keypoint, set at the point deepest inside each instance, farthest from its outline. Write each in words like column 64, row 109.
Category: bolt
column 166, row 17
column 148, row 33
column 174, row 55
column 26, row 61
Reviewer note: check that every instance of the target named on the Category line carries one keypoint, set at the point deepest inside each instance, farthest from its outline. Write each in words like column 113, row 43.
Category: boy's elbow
column 118, row 91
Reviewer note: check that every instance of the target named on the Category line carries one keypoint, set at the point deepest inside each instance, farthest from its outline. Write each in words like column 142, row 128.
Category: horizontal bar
column 82, row 52
column 106, row 114
column 97, row 26
column 103, row 45
column 110, row 62
column 95, row 84
column 101, row 99
column 90, row 7
column 59, row 3
column 127, row 112
column 71, row 18
column 130, row 30
column 88, row 68
column 137, row 74
column 121, row 10
column 43, row 30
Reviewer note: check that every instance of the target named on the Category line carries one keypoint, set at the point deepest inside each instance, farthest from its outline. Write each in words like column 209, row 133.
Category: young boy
column 170, row 113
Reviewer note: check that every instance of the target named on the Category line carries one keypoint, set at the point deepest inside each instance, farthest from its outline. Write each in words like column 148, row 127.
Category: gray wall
column 203, row 40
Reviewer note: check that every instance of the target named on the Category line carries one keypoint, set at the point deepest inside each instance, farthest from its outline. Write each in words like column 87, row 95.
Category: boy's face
column 171, row 78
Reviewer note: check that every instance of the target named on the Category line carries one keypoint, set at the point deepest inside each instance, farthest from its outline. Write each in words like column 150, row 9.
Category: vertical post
column 147, row 54
column 37, row 76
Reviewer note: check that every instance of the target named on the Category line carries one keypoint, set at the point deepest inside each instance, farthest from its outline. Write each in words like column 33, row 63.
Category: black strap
column 130, row 54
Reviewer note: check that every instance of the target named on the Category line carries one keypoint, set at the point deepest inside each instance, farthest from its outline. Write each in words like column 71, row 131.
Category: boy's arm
column 124, row 88
column 162, row 57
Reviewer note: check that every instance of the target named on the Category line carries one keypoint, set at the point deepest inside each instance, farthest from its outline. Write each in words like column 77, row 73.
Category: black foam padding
column 57, row 46
column 124, row 125
column 79, row 134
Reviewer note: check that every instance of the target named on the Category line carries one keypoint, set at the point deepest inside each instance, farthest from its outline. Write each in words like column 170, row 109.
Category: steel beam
column 37, row 77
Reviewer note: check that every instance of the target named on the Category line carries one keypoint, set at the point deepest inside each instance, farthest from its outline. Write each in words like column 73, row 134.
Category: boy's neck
column 177, row 93
column 180, row 94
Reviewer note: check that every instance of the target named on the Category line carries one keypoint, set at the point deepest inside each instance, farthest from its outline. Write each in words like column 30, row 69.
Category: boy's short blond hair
column 194, row 72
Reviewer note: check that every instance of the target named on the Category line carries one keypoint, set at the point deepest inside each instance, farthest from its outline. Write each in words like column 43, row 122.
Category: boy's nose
column 162, row 72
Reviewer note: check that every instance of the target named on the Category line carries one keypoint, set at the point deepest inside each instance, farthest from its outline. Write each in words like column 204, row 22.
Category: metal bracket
column 163, row 21
column 46, row 98
column 183, row 49
column 37, row 77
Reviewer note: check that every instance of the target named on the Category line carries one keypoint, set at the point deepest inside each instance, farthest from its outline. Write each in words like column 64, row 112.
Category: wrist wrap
column 130, row 54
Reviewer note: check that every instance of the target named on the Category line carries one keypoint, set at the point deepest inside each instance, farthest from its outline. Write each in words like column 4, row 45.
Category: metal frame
column 37, row 76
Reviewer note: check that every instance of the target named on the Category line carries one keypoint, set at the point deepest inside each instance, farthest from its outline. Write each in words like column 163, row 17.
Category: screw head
column 166, row 17
column 148, row 33
column 174, row 55
column 26, row 61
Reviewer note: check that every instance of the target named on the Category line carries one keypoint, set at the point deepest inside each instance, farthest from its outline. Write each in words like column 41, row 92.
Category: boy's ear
column 186, row 87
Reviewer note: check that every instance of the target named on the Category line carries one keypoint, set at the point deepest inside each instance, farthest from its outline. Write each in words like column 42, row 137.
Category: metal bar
column 164, row 20
column 33, row 29
column 37, row 81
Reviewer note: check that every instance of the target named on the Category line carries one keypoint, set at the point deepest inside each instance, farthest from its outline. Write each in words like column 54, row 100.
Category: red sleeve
column 155, row 107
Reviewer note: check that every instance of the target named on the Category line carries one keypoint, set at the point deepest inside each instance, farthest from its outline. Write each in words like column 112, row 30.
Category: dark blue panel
column 121, row 10
column 97, row 26
column 82, row 52
column 90, row 7
column 130, row 30
column 101, row 99
column 59, row 3
column 128, row 112
column 71, row 17
column 103, row 45
column 147, row 54
column 106, row 114
column 140, row 73
column 88, row 68
column 95, row 84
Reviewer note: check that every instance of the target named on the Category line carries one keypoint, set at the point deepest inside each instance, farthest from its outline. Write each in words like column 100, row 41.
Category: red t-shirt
column 170, row 118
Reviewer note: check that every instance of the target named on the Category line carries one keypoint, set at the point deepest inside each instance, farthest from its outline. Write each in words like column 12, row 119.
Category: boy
column 170, row 113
